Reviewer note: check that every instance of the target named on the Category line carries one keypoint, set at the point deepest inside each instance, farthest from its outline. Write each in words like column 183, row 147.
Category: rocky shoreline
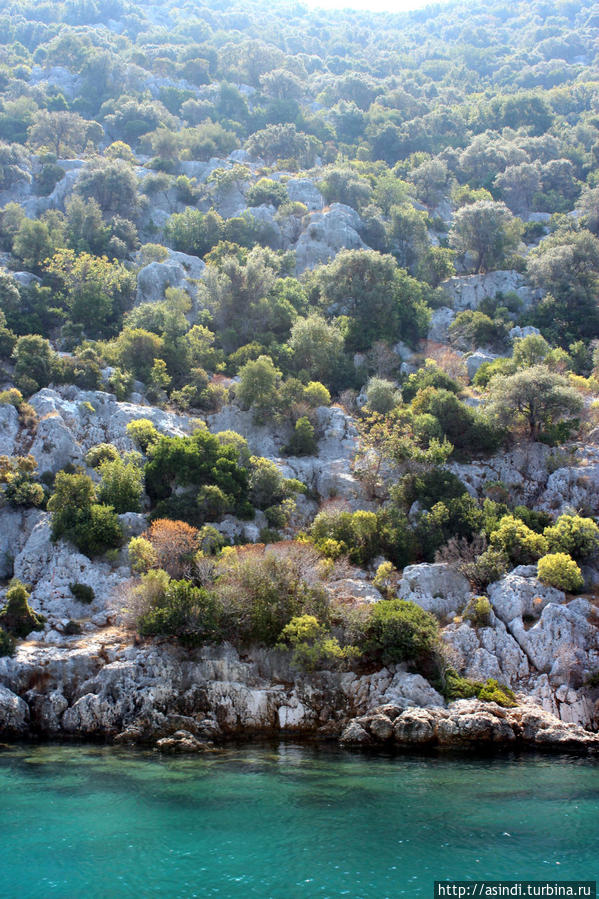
column 158, row 694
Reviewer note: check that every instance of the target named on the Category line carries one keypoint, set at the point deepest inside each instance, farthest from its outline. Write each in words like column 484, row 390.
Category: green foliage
column 478, row 611
column 18, row 486
column 457, row 687
column 76, row 516
column 7, row 643
column 192, row 462
column 355, row 533
column 399, row 631
column 381, row 395
column 303, row 441
column 82, row 592
column 313, row 646
column 535, row 398
column 560, row 570
column 518, row 542
column 430, row 375
column 121, row 484
column 574, row 535
column 143, row 433
column 265, row 190
column 100, row 453
column 181, row 610
column 17, row 617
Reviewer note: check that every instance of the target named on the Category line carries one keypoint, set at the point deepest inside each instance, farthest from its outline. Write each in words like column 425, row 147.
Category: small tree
column 17, row 617
column 487, row 230
column 535, row 396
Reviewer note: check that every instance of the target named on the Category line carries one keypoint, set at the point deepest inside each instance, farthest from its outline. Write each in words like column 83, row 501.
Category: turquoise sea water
column 287, row 821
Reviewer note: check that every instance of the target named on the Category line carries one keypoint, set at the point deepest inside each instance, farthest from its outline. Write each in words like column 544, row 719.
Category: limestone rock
column 476, row 359
column 518, row 596
column 14, row 712
column 355, row 735
column 182, row 741
column 302, row 190
column 441, row 319
column 326, row 233
column 487, row 652
column 468, row 291
column 9, row 429
column 437, row 587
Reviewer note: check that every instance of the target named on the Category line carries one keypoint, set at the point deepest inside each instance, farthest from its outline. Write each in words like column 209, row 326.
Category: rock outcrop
column 468, row 291
column 467, row 724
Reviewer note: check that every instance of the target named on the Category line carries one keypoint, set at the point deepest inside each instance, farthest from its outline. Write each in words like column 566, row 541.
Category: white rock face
column 468, row 291
column 523, row 470
column 563, row 643
column 9, row 429
column 476, row 359
column 483, row 652
column 68, row 429
column 441, row 319
column 302, row 190
column 325, row 234
column 518, row 333
column 572, row 488
column 15, row 527
column 329, row 473
column 154, row 278
column 437, row 587
column 14, row 712
column 49, row 568
column 518, row 596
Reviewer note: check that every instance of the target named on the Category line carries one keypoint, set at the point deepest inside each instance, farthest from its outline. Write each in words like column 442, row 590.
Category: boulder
column 325, row 234
column 14, row 713
column 438, row 330
column 302, row 190
column 468, row 291
column 437, row 587
column 483, row 652
column 9, row 429
column 476, row 359
column 520, row 595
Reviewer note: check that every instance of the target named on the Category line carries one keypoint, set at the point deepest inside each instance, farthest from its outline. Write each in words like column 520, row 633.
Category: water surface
column 286, row 822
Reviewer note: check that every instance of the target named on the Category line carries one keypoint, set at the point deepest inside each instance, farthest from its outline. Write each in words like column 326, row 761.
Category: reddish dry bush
column 175, row 543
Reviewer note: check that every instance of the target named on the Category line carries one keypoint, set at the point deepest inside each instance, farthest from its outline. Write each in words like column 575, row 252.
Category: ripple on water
column 286, row 822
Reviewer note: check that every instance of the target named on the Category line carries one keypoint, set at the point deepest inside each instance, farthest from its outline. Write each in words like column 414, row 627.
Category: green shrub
column 101, row 452
column 561, row 571
column 82, row 592
column 478, row 611
column 7, row 643
column 143, row 433
column 76, row 516
column 574, row 535
column 303, row 441
column 522, row 545
column 316, row 394
column 191, row 614
column 142, row 555
column 337, row 531
column 17, row 617
column 313, row 646
column 381, row 395
column 122, row 484
column 399, row 631
column 458, row 687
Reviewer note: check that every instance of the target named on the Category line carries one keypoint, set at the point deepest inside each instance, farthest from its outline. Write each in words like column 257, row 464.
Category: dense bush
column 574, row 535
column 17, row 617
column 76, row 516
column 399, row 631
column 561, row 571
